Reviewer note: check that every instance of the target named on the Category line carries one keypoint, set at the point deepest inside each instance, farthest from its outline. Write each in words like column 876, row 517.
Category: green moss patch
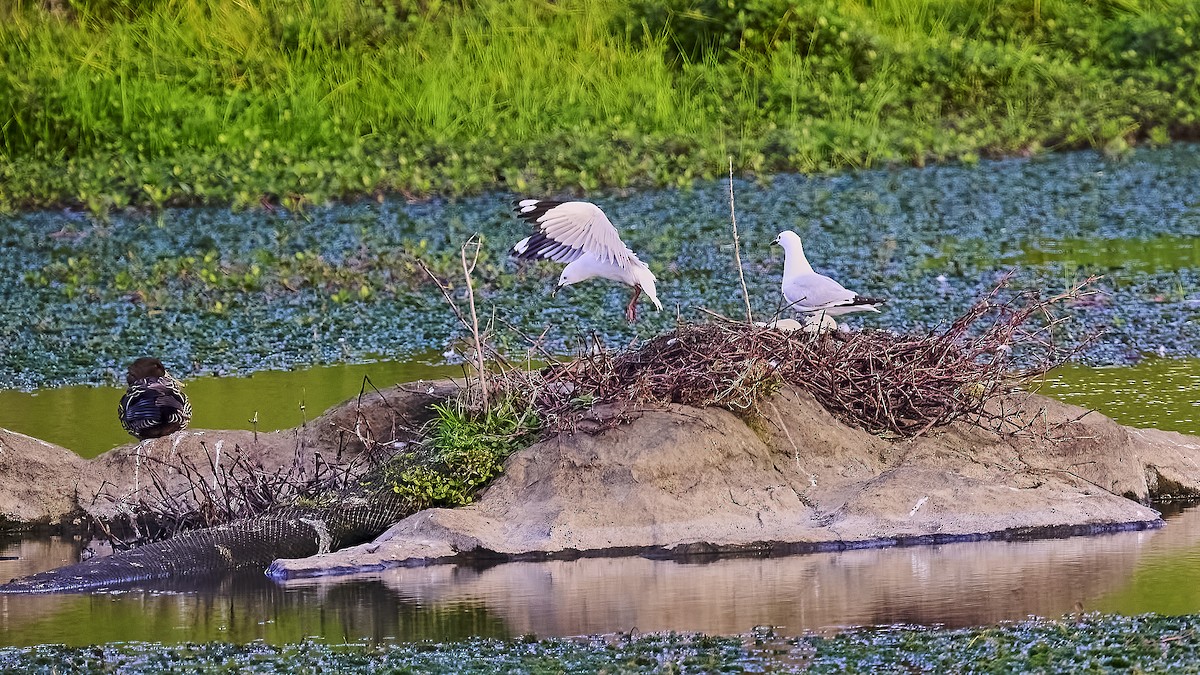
column 464, row 452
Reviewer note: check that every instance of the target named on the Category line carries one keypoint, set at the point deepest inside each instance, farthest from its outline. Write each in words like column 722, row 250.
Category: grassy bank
column 1091, row 644
column 109, row 103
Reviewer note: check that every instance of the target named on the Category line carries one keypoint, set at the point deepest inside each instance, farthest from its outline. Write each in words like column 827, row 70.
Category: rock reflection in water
column 955, row 585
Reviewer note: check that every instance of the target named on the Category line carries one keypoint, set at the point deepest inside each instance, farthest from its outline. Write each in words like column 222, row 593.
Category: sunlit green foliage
column 108, row 103
column 465, row 451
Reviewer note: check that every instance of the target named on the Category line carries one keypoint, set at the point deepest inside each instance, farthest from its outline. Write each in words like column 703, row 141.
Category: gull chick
column 813, row 293
column 579, row 234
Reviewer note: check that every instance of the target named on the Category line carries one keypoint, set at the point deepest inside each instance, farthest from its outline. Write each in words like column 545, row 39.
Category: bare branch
column 737, row 248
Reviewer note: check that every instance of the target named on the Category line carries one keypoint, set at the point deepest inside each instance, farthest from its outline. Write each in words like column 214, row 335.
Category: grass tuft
column 464, row 451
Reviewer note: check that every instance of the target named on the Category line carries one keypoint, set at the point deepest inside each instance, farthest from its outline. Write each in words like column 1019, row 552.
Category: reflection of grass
column 245, row 611
column 1167, row 576
column 1166, row 584
column 116, row 102
column 1078, row 256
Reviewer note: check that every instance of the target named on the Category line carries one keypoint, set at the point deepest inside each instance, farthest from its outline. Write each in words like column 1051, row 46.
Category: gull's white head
column 570, row 275
column 794, row 260
column 788, row 240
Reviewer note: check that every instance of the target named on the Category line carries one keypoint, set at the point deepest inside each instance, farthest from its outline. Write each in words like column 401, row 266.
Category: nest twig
column 886, row 383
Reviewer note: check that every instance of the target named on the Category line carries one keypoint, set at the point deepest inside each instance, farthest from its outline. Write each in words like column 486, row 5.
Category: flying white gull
column 813, row 293
column 579, row 234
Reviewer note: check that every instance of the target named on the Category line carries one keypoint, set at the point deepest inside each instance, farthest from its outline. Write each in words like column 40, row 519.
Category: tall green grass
column 110, row 103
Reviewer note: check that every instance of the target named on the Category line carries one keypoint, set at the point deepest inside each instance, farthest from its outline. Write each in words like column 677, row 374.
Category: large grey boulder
column 679, row 480
column 37, row 481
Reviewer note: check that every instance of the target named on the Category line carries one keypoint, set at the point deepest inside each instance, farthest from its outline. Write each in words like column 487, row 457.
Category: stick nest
column 892, row 384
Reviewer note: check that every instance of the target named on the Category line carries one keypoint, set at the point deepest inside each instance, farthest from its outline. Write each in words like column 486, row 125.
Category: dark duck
column 154, row 404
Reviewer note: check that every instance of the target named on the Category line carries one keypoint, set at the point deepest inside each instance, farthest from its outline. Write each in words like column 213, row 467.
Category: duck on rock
column 154, row 404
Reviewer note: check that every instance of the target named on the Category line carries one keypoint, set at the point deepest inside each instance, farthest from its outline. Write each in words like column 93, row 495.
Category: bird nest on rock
column 877, row 380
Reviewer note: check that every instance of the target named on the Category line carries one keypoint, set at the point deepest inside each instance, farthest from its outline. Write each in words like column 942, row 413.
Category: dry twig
column 886, row 383
column 222, row 487
column 737, row 248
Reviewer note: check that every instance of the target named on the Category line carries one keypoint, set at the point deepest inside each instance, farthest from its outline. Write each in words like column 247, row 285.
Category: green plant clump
column 113, row 103
column 464, row 452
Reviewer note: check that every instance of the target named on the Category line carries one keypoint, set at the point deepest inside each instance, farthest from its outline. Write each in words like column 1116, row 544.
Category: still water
column 84, row 419
column 953, row 585
column 1158, row 393
column 1153, row 393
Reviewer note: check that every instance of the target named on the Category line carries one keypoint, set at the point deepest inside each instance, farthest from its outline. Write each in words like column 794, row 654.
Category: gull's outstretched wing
column 567, row 230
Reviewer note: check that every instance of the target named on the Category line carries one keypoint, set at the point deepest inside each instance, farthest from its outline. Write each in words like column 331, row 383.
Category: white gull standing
column 812, row 293
column 579, row 234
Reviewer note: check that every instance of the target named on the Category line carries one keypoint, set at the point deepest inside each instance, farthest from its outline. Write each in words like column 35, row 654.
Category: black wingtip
column 530, row 213
column 539, row 246
column 860, row 300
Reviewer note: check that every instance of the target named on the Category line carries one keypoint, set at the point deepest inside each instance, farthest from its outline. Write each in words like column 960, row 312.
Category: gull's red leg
column 631, row 310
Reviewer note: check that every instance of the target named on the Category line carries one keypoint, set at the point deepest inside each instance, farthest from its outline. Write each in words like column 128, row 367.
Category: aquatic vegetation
column 1092, row 642
column 930, row 240
column 290, row 105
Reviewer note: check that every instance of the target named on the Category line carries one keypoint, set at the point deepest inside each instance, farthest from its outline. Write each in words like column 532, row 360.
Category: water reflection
column 84, row 419
column 1153, row 393
column 1159, row 254
column 239, row 609
column 955, row 585
column 1158, row 393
